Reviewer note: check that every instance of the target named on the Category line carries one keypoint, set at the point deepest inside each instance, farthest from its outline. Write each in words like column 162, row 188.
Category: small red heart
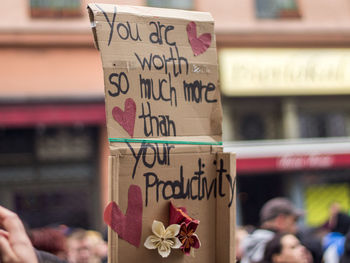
column 198, row 44
column 127, row 117
column 128, row 226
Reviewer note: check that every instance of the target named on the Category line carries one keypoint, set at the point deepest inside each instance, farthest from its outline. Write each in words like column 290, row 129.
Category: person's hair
column 78, row 234
column 273, row 247
column 49, row 239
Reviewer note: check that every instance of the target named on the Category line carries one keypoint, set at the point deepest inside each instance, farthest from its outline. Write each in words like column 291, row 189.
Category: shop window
column 16, row 146
column 48, row 169
column 322, row 125
column 41, row 208
column 252, row 127
column 64, row 143
column 180, row 4
column 277, row 9
column 55, row 8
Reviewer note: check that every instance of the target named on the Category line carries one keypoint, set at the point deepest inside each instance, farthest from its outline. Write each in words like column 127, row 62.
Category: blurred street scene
column 285, row 83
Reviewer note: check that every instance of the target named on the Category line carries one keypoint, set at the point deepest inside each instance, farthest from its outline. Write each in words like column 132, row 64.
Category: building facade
column 284, row 78
column 283, row 74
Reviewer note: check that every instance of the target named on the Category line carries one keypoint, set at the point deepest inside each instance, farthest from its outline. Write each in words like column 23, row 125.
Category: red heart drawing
column 128, row 226
column 198, row 44
column 126, row 118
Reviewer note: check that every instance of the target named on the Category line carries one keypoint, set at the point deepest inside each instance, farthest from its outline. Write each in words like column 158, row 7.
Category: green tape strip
column 163, row 141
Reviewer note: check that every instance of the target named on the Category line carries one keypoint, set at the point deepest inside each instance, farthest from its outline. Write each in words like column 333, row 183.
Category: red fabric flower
column 188, row 238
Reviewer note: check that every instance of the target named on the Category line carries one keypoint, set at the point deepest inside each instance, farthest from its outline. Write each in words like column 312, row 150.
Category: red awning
column 284, row 155
column 60, row 114
column 293, row 163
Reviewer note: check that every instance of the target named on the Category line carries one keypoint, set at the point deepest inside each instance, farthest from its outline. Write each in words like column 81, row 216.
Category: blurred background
column 285, row 82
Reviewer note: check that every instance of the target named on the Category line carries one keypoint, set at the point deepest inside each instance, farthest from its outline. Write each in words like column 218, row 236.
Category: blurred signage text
column 284, row 71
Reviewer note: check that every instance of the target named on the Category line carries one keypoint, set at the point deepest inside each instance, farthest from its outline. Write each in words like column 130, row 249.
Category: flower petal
column 158, row 228
column 196, row 243
column 177, row 243
column 193, row 225
column 186, row 250
column 172, row 231
column 177, row 215
column 164, row 250
column 152, row 242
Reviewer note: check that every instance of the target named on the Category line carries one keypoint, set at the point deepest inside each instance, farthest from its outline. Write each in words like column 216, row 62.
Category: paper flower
column 188, row 238
column 163, row 239
column 178, row 215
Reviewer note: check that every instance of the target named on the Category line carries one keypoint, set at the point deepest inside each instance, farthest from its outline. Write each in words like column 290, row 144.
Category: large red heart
column 128, row 226
column 198, row 44
column 126, row 118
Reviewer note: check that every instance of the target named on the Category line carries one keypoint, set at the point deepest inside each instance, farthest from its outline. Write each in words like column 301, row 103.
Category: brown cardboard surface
column 198, row 176
column 177, row 93
column 215, row 211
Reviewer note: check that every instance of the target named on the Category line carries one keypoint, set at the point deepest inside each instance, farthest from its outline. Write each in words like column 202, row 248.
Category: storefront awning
column 282, row 156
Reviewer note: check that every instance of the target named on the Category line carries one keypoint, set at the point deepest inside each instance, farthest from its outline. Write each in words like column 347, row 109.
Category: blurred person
column 79, row 249
column 15, row 245
column 50, row 240
column 240, row 234
column 345, row 258
column 338, row 221
column 285, row 248
column 98, row 246
column 276, row 216
column 334, row 242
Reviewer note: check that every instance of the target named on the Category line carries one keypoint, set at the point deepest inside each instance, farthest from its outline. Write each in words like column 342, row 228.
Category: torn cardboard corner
column 160, row 72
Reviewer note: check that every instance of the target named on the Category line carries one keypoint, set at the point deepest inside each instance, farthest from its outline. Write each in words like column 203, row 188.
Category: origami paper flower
column 188, row 238
column 178, row 215
column 163, row 239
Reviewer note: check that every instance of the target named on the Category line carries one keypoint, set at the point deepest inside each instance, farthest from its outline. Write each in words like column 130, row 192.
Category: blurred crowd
column 280, row 239
column 72, row 245
column 48, row 244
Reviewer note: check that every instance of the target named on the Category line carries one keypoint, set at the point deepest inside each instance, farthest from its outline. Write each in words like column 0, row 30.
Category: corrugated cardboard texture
column 147, row 59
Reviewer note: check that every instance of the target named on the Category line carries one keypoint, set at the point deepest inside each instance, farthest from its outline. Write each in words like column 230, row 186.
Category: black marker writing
column 111, row 25
column 160, row 62
column 125, row 32
column 117, row 80
column 194, row 188
column 151, row 154
column 161, row 30
column 158, row 90
column 193, row 91
column 160, row 125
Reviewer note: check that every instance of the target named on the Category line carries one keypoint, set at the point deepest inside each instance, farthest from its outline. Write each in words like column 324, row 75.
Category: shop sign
column 292, row 163
column 284, row 71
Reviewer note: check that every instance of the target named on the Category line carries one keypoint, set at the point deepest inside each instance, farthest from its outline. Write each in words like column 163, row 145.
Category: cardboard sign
column 160, row 71
column 172, row 189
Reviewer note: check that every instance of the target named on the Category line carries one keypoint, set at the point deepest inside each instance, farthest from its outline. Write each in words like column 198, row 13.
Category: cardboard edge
column 226, row 216
column 113, row 180
column 93, row 24
column 146, row 11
